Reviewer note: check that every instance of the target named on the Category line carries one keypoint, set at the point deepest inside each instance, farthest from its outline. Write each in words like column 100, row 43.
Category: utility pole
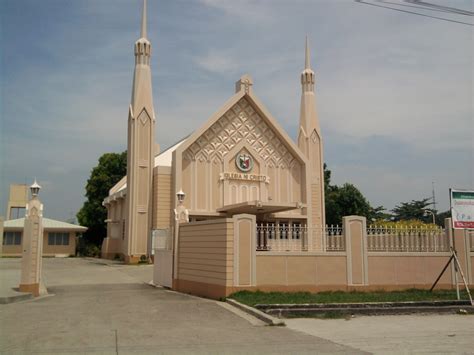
column 434, row 199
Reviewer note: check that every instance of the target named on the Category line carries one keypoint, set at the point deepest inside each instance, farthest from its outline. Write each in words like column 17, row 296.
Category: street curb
column 369, row 308
column 268, row 319
column 366, row 305
column 16, row 298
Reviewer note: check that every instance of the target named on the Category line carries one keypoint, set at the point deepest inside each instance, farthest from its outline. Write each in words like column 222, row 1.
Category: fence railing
column 296, row 237
column 406, row 239
column 284, row 237
column 334, row 238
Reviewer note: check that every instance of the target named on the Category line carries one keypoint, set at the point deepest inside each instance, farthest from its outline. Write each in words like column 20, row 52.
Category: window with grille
column 58, row 238
column 17, row 212
column 12, row 238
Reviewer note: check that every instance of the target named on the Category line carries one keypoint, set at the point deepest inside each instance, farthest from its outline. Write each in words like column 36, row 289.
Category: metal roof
column 47, row 224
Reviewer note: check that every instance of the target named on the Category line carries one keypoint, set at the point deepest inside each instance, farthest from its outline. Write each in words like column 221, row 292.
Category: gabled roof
column 162, row 159
column 47, row 224
column 165, row 158
column 260, row 108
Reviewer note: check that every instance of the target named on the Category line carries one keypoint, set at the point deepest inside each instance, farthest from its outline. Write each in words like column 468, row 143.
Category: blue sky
column 394, row 90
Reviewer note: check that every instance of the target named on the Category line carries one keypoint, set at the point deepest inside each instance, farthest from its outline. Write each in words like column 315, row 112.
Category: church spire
column 307, row 76
column 143, row 45
column 307, row 63
column 143, row 33
column 311, row 145
column 140, row 152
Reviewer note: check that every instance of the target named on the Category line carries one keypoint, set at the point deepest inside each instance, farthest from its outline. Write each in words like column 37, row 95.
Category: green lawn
column 259, row 297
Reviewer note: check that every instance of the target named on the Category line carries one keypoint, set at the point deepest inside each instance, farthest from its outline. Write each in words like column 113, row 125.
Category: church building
column 239, row 161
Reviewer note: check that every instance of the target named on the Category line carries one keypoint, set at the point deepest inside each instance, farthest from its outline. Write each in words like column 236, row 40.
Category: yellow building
column 59, row 238
column 239, row 161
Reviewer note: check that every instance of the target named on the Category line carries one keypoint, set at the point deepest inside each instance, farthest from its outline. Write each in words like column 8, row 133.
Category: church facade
column 240, row 161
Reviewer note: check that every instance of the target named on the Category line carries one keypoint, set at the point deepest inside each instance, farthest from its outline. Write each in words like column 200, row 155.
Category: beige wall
column 417, row 270
column 113, row 244
column 51, row 250
column 161, row 218
column 205, row 252
column 18, row 198
column 300, row 271
column 205, row 264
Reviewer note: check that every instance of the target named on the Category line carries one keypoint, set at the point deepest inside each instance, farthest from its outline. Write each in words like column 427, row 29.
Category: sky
column 394, row 90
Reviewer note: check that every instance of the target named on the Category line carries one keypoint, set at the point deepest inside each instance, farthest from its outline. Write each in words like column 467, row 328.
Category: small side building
column 17, row 201
column 59, row 238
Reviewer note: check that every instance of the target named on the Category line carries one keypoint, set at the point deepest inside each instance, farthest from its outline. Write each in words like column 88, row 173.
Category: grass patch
column 258, row 297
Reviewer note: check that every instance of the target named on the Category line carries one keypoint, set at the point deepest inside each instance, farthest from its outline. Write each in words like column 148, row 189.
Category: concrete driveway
column 107, row 308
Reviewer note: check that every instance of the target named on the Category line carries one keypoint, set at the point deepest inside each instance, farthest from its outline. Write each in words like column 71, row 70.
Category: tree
column 413, row 210
column 111, row 168
column 346, row 200
column 440, row 217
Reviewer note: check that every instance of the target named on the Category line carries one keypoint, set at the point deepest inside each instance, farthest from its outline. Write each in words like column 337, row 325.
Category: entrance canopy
column 258, row 207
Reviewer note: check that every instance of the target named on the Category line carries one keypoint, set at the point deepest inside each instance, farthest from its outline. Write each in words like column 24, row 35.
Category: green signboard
column 462, row 209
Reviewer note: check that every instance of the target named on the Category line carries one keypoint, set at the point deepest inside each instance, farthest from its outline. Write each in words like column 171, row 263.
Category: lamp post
column 427, row 212
column 181, row 213
column 180, row 196
column 35, row 189
column 31, row 261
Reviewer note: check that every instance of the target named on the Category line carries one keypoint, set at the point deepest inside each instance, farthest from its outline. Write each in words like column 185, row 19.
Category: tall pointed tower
column 311, row 144
column 140, row 147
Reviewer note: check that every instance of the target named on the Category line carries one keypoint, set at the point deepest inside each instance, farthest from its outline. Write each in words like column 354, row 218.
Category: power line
column 444, row 8
column 415, row 7
column 414, row 13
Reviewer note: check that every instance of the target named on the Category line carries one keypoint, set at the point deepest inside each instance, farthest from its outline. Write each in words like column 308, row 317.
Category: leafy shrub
column 411, row 223
column 92, row 250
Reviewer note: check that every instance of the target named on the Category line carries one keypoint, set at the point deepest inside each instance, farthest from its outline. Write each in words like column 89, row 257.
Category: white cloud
column 217, row 62
column 246, row 10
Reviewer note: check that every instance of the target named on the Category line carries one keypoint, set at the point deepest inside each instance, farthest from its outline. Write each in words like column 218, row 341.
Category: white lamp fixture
column 180, row 195
column 35, row 189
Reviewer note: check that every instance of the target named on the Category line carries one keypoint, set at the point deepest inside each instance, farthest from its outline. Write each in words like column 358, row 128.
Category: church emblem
column 244, row 162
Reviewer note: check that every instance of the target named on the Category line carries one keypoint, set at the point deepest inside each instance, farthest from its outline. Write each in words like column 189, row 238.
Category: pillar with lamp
column 31, row 261
column 181, row 213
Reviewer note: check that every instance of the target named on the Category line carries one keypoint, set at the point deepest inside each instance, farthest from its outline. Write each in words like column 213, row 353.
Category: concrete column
column 1, row 236
column 355, row 233
column 245, row 250
column 32, row 245
column 181, row 215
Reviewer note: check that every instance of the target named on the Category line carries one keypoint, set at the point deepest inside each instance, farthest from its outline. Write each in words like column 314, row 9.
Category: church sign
column 245, row 177
column 462, row 209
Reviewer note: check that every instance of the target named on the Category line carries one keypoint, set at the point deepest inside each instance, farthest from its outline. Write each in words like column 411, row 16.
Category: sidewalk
column 10, row 272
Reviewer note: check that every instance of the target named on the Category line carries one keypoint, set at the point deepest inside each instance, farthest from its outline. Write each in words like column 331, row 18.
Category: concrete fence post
column 1, row 236
column 355, row 234
column 245, row 250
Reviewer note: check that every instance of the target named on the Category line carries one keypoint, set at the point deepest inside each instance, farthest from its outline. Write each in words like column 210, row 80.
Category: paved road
column 413, row 334
column 108, row 309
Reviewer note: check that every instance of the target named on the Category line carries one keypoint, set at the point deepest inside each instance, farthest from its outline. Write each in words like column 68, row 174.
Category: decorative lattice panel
column 238, row 123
